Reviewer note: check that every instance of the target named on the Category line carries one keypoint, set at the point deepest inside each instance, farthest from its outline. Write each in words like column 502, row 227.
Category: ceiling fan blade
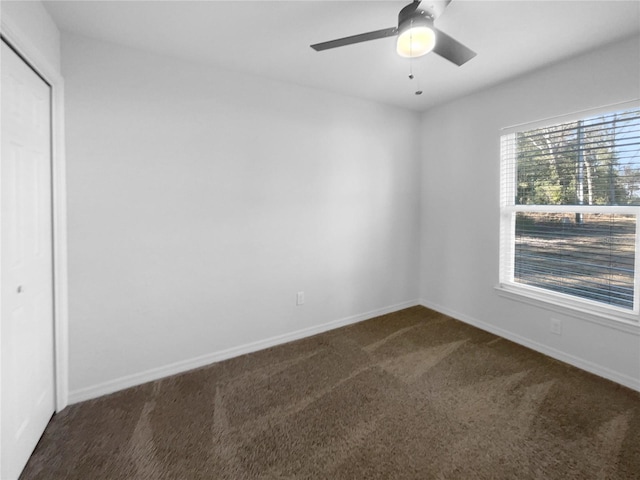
column 451, row 49
column 412, row 7
column 363, row 37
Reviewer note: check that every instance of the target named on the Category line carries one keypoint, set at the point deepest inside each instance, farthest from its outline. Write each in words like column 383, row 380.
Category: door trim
column 21, row 43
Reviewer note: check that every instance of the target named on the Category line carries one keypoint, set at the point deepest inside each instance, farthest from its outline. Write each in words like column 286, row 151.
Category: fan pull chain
column 411, row 76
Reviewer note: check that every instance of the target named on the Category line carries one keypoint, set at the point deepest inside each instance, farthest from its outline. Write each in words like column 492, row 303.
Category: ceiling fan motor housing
column 409, row 17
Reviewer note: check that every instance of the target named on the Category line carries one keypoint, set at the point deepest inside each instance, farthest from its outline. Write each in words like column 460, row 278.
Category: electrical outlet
column 556, row 326
column 300, row 298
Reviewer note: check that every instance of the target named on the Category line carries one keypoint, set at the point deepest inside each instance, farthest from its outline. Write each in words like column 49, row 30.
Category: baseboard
column 135, row 379
column 578, row 362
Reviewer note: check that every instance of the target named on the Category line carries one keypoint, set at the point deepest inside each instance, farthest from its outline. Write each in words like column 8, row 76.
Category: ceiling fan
column 416, row 34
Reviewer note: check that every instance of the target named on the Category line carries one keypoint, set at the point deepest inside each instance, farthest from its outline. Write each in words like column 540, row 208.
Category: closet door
column 26, row 270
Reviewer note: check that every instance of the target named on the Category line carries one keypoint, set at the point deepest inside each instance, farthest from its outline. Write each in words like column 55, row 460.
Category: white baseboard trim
column 580, row 363
column 135, row 379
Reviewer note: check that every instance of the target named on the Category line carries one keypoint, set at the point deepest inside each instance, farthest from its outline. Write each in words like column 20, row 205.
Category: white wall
column 34, row 23
column 200, row 201
column 460, row 206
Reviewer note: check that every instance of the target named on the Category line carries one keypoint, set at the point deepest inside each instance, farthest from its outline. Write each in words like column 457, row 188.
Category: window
column 570, row 201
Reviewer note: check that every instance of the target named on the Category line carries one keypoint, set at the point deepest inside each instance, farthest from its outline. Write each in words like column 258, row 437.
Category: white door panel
column 26, row 270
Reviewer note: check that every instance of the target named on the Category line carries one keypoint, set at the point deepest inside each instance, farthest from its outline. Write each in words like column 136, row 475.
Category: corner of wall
column 31, row 29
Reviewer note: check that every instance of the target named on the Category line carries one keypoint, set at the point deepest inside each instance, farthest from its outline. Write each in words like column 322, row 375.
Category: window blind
column 570, row 201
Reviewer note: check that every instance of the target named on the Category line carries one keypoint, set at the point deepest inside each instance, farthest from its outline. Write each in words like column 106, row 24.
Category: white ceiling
column 271, row 39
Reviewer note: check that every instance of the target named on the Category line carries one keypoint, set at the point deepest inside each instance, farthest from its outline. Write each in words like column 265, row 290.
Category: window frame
column 507, row 286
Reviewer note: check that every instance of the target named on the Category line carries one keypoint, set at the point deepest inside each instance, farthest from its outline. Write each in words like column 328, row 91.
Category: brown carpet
column 410, row 395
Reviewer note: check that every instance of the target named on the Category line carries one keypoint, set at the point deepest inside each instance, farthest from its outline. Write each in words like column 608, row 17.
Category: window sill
column 627, row 322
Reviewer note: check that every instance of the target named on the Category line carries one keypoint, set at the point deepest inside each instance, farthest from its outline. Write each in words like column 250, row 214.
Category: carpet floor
column 409, row 395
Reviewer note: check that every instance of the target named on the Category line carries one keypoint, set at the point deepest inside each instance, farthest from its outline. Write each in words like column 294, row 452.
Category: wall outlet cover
column 556, row 326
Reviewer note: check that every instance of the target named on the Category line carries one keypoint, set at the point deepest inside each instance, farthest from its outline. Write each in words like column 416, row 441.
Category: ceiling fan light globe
column 416, row 41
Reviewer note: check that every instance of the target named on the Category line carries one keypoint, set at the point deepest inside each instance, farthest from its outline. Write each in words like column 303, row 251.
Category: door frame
column 22, row 44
